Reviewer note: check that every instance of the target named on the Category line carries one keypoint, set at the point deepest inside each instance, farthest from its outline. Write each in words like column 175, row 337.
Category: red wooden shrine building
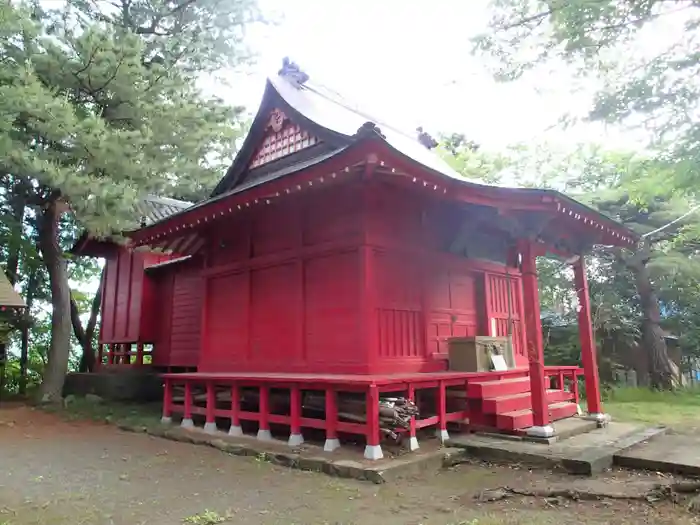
column 338, row 256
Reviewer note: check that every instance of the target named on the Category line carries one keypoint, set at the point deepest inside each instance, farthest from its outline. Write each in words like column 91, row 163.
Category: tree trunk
column 18, row 205
column 59, row 350
column 87, row 361
column 663, row 372
column 26, row 325
column 85, row 336
column 76, row 322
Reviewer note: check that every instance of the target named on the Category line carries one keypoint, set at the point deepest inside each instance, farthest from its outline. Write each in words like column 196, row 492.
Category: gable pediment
column 282, row 138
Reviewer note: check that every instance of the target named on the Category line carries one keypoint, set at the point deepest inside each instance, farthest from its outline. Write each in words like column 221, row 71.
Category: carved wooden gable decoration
column 282, row 138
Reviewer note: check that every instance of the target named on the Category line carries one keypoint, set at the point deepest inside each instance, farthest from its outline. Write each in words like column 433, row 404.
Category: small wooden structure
column 10, row 304
column 337, row 257
column 134, row 304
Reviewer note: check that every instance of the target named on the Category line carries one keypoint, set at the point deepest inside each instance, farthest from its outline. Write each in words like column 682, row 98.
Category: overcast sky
column 409, row 63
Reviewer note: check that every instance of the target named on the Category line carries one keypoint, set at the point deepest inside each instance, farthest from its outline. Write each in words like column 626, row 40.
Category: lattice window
column 283, row 138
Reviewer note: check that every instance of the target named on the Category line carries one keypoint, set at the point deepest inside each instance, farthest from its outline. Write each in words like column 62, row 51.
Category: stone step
column 522, row 401
column 499, row 387
column 519, row 419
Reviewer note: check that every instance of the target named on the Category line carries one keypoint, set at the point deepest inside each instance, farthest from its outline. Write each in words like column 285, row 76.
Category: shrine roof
column 152, row 209
column 8, row 296
column 302, row 127
column 329, row 116
column 149, row 210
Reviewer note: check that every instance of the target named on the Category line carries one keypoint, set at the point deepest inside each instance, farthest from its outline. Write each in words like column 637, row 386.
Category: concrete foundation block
column 442, row 434
column 373, row 452
column 235, row 431
column 331, row 444
column 187, row 423
column 264, row 435
column 295, row 440
column 210, row 428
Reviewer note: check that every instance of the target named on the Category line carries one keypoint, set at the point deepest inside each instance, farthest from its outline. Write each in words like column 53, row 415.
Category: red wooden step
column 514, row 402
column 499, row 387
column 523, row 418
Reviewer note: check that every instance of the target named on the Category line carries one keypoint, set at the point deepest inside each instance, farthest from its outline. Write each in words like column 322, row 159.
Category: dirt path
column 56, row 472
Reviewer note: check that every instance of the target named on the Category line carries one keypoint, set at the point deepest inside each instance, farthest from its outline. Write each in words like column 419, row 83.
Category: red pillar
column 442, row 412
column 167, row 401
column 295, row 436
column 412, row 439
column 332, row 441
column 533, row 328
column 235, row 429
column 373, row 449
column 210, row 423
column 187, row 409
column 264, row 412
column 588, row 350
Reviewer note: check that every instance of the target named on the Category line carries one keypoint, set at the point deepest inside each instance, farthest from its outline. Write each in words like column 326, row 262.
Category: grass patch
column 207, row 517
column 78, row 408
column 679, row 409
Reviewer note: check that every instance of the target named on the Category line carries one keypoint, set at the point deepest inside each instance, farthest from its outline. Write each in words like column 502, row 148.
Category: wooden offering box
column 473, row 354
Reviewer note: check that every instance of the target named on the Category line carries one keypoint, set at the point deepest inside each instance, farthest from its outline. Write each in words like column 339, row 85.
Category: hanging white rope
column 674, row 221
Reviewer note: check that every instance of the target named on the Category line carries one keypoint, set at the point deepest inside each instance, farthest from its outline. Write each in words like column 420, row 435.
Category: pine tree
column 94, row 115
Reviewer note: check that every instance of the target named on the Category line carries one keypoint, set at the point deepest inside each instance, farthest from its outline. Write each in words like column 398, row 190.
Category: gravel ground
column 58, row 472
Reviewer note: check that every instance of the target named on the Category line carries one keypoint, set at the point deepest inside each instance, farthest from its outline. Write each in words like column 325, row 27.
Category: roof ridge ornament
column 368, row 129
column 425, row 139
column 292, row 73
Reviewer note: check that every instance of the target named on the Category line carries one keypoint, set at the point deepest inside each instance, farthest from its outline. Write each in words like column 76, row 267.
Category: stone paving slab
column 310, row 456
column 675, row 453
column 586, row 454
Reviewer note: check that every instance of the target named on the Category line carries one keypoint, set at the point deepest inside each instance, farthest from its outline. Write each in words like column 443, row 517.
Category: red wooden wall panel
column 399, row 310
column 123, row 295
column 331, row 311
column 162, row 284
column 503, row 311
column 332, row 216
column 109, row 298
column 227, row 323
column 452, row 306
column 276, row 230
column 186, row 316
column 274, row 323
column 313, row 285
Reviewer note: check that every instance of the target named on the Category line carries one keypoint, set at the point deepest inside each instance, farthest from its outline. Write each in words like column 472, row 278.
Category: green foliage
column 626, row 187
column 645, row 54
column 99, row 105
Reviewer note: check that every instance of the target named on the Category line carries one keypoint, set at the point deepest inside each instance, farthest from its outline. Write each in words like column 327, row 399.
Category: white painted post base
column 601, row 419
column 413, row 443
column 579, row 411
column 264, row 435
column 235, row 431
column 166, row 420
column 373, row 452
column 442, row 434
column 331, row 444
column 295, row 440
column 210, row 428
column 546, row 431
column 187, row 423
